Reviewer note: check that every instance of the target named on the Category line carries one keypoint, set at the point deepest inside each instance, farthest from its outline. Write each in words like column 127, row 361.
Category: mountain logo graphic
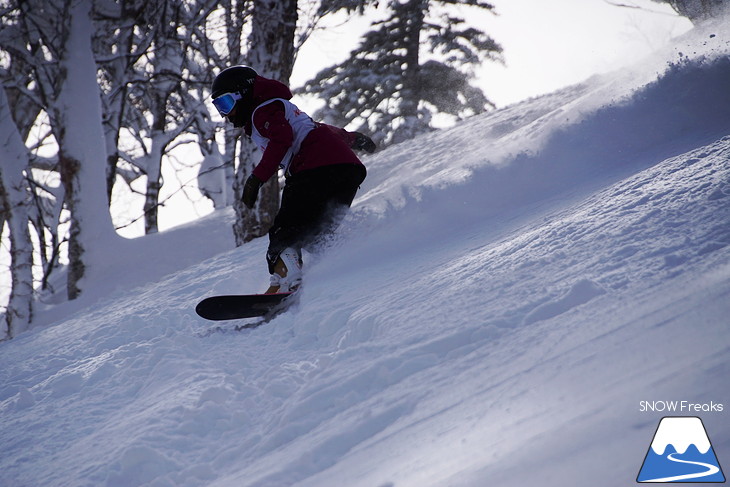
column 680, row 452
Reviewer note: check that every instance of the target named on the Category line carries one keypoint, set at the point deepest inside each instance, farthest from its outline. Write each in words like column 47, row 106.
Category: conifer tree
column 414, row 64
column 698, row 10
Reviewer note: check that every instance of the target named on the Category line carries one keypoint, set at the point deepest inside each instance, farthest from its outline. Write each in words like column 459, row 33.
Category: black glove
column 363, row 142
column 251, row 191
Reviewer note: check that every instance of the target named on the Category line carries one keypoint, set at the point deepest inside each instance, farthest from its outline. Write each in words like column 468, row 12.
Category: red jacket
column 324, row 145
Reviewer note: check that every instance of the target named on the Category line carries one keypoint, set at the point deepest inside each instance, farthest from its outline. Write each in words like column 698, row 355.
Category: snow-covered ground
column 504, row 298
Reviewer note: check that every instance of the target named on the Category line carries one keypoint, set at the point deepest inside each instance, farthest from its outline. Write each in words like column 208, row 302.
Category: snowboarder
column 322, row 172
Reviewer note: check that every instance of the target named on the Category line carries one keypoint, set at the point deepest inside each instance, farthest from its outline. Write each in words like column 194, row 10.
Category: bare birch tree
column 271, row 53
column 54, row 40
column 15, row 208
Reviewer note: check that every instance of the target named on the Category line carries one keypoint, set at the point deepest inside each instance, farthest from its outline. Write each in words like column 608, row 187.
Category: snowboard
column 239, row 306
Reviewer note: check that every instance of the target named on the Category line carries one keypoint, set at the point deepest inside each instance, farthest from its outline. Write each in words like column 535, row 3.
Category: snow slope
column 505, row 295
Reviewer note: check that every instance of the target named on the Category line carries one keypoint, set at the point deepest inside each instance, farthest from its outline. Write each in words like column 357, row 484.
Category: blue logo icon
column 681, row 452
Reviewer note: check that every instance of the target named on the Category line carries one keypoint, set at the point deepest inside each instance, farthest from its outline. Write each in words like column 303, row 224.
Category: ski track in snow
column 711, row 470
column 491, row 321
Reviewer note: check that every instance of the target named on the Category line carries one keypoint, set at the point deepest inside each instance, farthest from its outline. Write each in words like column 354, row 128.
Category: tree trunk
column 413, row 17
column 272, row 56
column 119, row 50
column 154, row 166
column 273, row 27
column 14, row 205
column 77, row 125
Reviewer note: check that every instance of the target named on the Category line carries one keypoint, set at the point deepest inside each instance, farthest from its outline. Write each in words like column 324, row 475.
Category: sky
column 547, row 44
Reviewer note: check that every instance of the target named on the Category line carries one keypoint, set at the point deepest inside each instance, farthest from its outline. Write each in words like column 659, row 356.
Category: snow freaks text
column 680, row 407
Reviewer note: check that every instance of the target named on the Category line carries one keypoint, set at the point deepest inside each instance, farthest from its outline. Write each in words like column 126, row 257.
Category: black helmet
column 234, row 79
column 236, row 82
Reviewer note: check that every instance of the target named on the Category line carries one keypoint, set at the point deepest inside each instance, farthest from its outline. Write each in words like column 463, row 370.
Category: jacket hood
column 265, row 89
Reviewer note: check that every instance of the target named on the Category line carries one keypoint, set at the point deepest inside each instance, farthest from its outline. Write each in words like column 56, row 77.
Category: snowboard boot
column 287, row 275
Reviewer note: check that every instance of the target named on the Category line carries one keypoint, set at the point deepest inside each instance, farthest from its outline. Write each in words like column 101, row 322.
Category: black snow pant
column 313, row 204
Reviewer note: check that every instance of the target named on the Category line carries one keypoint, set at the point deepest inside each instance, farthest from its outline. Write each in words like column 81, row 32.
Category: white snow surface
column 502, row 297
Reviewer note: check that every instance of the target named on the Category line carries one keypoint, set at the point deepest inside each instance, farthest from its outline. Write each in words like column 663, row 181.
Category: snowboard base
column 239, row 306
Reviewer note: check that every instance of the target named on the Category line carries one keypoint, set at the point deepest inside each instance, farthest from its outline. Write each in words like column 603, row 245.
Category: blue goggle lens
column 226, row 102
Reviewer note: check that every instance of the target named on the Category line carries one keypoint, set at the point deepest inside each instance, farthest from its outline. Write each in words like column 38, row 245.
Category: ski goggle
column 226, row 102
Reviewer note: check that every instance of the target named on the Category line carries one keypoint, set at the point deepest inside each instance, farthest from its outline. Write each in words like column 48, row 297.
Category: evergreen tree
column 698, row 10
column 414, row 64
